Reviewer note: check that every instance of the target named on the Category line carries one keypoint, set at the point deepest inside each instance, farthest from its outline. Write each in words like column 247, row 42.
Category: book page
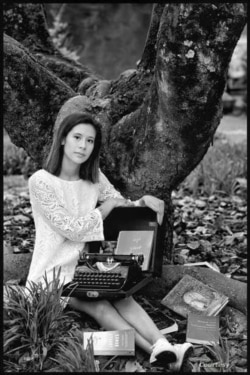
column 136, row 242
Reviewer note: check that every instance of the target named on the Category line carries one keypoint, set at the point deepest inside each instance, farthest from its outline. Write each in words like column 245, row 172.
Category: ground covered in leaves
column 207, row 228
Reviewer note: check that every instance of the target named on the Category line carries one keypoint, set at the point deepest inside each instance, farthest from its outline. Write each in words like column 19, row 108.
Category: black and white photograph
column 124, row 179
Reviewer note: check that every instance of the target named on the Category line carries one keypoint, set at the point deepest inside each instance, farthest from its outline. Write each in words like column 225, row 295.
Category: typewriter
column 105, row 275
column 109, row 275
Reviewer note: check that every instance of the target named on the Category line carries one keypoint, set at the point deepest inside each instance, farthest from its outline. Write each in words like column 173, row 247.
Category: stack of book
column 191, row 295
column 200, row 304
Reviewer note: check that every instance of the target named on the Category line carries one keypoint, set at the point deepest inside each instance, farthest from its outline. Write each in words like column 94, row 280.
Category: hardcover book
column 136, row 242
column 191, row 295
column 111, row 342
column 203, row 329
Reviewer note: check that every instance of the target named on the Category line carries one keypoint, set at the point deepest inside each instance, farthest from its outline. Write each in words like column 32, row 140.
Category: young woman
column 64, row 196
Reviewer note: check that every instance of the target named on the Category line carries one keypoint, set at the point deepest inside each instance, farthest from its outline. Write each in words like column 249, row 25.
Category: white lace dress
column 65, row 219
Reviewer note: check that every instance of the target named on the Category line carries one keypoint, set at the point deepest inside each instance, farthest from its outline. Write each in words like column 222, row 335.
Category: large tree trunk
column 158, row 120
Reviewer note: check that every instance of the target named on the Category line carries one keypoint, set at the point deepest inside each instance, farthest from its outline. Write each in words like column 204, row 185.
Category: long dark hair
column 89, row 170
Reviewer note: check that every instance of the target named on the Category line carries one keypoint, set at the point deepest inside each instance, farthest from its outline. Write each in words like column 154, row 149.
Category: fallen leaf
column 207, row 246
column 194, row 245
column 243, row 209
column 240, row 278
column 198, row 212
column 184, row 252
column 16, row 250
column 200, row 204
column 201, row 230
column 21, row 218
column 133, row 366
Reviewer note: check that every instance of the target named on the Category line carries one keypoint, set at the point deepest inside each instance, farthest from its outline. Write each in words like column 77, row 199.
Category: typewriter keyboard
column 99, row 280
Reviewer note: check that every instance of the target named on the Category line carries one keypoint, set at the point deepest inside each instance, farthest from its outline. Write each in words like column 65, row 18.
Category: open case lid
column 132, row 219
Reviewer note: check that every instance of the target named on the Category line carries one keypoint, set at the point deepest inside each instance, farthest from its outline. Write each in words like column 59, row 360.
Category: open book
column 136, row 242
column 191, row 295
column 163, row 322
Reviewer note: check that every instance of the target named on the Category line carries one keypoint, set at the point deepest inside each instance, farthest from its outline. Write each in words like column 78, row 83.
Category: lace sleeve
column 107, row 190
column 81, row 229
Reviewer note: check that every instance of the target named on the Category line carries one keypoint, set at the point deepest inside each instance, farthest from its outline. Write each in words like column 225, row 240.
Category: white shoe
column 183, row 351
column 162, row 352
column 172, row 356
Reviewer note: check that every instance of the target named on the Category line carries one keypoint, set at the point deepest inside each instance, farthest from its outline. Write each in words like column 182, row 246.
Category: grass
column 39, row 334
column 223, row 169
column 220, row 353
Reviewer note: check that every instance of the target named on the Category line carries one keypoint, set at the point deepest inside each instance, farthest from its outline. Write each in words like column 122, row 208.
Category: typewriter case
column 128, row 219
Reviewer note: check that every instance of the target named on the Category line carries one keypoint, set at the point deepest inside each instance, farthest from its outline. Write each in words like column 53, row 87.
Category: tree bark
column 147, row 61
column 32, row 98
column 158, row 120
column 26, row 23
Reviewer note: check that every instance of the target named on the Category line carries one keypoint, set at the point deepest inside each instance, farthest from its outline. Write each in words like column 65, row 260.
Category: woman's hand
column 106, row 207
column 122, row 202
column 155, row 204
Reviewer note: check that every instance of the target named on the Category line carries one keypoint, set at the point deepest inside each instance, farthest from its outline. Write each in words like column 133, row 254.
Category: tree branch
column 33, row 95
column 27, row 24
column 30, row 26
column 147, row 60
